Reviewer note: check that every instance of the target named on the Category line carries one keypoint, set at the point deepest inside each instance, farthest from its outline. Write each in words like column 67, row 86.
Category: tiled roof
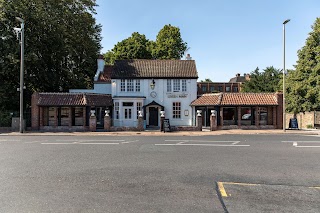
column 98, row 100
column 74, row 99
column 143, row 68
column 236, row 99
column 208, row 99
column 105, row 76
column 249, row 99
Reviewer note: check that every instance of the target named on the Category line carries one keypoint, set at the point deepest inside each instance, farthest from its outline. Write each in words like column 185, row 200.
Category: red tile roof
column 208, row 99
column 74, row 99
column 249, row 99
column 236, row 99
column 144, row 68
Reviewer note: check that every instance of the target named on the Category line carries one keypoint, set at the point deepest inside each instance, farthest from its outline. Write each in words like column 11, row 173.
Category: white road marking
column 99, row 143
column 76, row 143
column 130, row 141
column 300, row 141
column 202, row 141
column 295, row 144
column 36, row 141
column 202, row 145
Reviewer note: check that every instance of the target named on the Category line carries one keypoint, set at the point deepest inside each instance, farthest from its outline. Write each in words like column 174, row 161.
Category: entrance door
column 100, row 117
column 127, row 116
column 153, row 116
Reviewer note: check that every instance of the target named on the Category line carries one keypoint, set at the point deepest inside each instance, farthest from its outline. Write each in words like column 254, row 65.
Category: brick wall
column 35, row 112
column 279, row 112
column 304, row 119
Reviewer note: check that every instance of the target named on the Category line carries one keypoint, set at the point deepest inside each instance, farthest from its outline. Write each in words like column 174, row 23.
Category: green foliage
column 168, row 45
column 206, row 80
column 266, row 81
column 5, row 119
column 303, row 83
column 309, row 126
column 62, row 42
column 134, row 47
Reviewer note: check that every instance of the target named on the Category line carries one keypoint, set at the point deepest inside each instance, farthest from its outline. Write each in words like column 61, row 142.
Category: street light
column 284, row 74
column 21, row 70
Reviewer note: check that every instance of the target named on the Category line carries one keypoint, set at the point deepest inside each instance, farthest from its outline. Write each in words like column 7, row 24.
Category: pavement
column 204, row 132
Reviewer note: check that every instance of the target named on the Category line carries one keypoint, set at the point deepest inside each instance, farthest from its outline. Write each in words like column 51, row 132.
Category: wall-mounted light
column 152, row 84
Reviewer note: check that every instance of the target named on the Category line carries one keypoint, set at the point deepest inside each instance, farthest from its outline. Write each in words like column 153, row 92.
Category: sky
column 225, row 37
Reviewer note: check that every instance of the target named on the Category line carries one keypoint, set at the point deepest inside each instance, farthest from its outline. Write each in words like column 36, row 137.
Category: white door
column 127, row 116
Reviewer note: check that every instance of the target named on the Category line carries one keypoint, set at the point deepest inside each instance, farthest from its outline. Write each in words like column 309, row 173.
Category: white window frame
column 169, row 85
column 184, row 85
column 176, row 110
column 139, row 108
column 116, row 110
column 122, row 85
column 137, row 85
column 176, row 85
column 130, row 85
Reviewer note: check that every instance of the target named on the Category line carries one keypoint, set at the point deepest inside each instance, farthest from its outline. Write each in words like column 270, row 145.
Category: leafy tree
column 206, row 80
column 62, row 42
column 134, row 47
column 266, row 81
column 303, row 83
column 169, row 44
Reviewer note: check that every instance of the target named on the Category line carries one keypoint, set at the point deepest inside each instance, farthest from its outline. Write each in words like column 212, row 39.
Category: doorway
column 153, row 116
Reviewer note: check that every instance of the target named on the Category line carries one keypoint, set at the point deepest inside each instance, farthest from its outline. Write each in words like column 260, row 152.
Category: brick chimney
column 188, row 57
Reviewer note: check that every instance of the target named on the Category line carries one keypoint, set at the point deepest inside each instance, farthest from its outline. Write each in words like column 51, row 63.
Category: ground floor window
column 229, row 116
column 77, row 116
column 116, row 110
column 265, row 115
column 139, row 108
column 246, row 116
column 63, row 116
column 176, row 109
column 51, row 116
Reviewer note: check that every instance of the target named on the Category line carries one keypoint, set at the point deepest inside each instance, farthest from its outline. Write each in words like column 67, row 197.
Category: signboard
column 166, row 125
column 293, row 124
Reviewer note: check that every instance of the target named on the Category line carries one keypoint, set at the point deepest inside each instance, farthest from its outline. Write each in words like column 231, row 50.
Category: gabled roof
column 143, row 68
column 236, row 99
column 153, row 103
column 74, row 99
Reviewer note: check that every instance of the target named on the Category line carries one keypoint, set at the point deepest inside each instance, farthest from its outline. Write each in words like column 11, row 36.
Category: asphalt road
column 224, row 173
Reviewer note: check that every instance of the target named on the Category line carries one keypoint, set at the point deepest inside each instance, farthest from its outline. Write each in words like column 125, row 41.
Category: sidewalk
column 158, row 133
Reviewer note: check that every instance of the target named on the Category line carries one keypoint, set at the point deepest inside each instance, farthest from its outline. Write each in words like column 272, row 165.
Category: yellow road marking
column 222, row 190
column 241, row 184
column 314, row 187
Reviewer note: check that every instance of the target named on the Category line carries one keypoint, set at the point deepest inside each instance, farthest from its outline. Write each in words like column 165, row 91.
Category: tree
column 168, row 45
column 134, row 47
column 303, row 83
column 266, row 81
column 206, row 80
column 62, row 42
